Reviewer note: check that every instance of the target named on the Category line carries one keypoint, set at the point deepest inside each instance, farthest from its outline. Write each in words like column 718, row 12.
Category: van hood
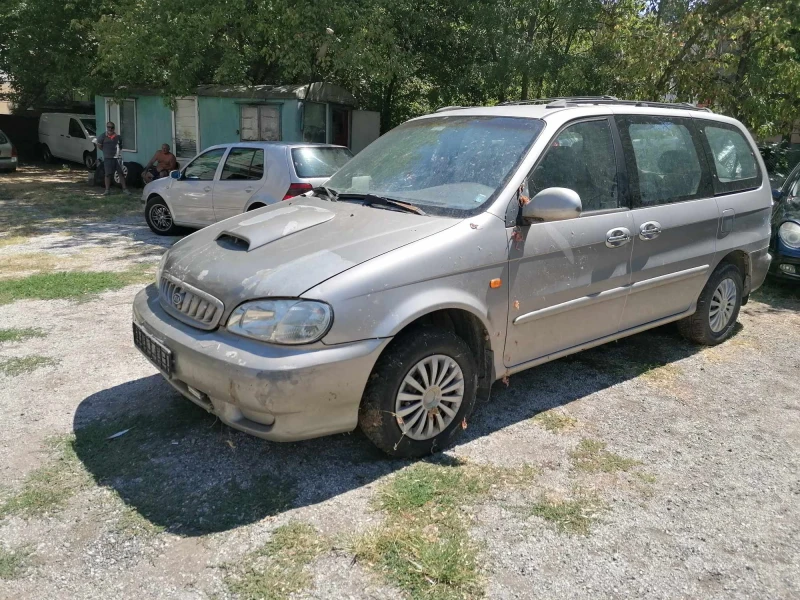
column 284, row 249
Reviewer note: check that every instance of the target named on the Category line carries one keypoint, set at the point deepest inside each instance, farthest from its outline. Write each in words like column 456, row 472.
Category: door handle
column 649, row 231
column 207, row 188
column 619, row 236
column 249, row 190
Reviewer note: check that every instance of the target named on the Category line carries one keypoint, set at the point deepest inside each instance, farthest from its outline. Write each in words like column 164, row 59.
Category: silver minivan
column 460, row 248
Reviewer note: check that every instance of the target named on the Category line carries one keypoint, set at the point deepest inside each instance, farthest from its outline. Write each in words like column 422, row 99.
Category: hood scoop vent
column 254, row 232
column 233, row 242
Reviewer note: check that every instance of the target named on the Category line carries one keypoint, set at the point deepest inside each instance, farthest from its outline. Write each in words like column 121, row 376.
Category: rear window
column 319, row 162
column 735, row 166
column 3, row 138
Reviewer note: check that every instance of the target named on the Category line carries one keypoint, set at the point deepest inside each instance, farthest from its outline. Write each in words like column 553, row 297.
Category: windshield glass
column 319, row 162
column 452, row 164
column 91, row 127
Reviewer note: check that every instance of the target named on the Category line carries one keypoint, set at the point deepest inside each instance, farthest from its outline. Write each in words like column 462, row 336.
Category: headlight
column 282, row 321
column 160, row 268
column 789, row 233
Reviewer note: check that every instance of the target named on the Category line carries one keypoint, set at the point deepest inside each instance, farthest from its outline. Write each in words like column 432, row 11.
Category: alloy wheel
column 160, row 217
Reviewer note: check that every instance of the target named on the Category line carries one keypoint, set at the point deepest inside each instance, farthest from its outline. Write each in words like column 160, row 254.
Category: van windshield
column 450, row 165
column 90, row 125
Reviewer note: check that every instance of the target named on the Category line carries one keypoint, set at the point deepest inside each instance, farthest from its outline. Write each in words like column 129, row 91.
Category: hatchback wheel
column 419, row 393
column 717, row 308
column 159, row 217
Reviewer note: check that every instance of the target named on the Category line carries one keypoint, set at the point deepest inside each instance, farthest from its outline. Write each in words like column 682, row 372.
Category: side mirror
column 175, row 174
column 776, row 194
column 553, row 204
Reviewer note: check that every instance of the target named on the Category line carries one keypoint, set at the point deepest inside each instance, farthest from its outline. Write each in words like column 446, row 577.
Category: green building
column 217, row 114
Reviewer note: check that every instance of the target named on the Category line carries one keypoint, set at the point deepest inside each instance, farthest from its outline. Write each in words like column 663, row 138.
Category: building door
column 185, row 129
column 340, row 126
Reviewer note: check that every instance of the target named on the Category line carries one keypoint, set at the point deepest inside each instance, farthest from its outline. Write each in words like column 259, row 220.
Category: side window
column 664, row 159
column 204, row 166
column 582, row 159
column 735, row 165
column 792, row 188
column 75, row 130
column 243, row 164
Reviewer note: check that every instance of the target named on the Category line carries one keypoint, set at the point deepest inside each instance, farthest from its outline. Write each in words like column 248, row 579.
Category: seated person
column 160, row 165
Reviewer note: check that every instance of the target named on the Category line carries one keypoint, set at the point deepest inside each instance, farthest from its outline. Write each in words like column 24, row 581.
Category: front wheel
column 419, row 394
column 159, row 217
column 717, row 308
column 46, row 154
column 89, row 160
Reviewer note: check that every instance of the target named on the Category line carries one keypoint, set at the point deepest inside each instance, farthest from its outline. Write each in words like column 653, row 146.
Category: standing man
column 166, row 162
column 111, row 146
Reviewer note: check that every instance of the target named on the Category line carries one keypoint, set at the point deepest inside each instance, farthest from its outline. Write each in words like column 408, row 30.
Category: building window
column 185, row 127
column 315, row 122
column 340, row 126
column 260, row 123
column 123, row 115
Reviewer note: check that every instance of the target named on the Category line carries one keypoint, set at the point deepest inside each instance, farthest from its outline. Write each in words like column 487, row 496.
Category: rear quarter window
column 3, row 138
column 319, row 162
column 733, row 161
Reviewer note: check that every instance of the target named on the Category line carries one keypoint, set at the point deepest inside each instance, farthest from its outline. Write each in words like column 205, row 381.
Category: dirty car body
column 458, row 249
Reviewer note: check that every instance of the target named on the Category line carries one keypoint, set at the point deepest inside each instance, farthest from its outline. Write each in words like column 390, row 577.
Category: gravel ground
column 710, row 508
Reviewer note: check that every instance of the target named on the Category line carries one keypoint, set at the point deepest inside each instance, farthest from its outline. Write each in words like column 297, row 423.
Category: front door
column 75, row 141
column 241, row 177
column 191, row 195
column 569, row 278
column 675, row 216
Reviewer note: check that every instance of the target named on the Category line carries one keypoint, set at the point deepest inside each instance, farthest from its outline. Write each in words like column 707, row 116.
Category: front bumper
column 785, row 259
column 277, row 393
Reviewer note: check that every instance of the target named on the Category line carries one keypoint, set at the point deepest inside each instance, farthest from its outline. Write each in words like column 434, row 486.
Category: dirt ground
column 647, row 468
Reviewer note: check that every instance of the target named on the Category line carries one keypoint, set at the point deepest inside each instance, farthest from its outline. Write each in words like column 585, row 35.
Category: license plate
column 158, row 353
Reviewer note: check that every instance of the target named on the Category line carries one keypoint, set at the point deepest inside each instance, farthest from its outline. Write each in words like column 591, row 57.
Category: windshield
column 450, row 164
column 91, row 127
column 319, row 162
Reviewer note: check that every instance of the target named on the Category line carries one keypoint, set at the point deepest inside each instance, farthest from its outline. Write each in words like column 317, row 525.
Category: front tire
column 717, row 308
column 419, row 394
column 46, row 154
column 89, row 160
column 159, row 217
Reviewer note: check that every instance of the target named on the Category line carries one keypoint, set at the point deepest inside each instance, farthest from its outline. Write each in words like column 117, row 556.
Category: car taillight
column 13, row 150
column 296, row 189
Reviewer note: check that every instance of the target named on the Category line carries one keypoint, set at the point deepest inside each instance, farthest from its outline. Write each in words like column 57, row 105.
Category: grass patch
column 654, row 373
column 69, row 284
column 13, row 240
column 555, row 421
column 49, row 486
column 14, row 366
column 18, row 335
column 12, row 564
column 279, row 569
column 591, row 456
column 424, row 547
column 574, row 515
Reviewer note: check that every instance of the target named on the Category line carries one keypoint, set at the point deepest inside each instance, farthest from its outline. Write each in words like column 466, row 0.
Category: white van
column 68, row 137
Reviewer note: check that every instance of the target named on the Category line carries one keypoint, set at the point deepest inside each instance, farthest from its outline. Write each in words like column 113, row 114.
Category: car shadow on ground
column 779, row 295
column 182, row 470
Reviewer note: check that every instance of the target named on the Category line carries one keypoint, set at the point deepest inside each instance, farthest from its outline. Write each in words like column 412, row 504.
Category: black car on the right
column 785, row 242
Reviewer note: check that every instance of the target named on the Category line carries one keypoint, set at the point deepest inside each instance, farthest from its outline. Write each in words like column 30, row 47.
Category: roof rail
column 446, row 108
column 566, row 101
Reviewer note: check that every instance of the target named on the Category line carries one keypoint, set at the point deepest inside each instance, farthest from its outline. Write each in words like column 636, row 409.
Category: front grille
column 189, row 304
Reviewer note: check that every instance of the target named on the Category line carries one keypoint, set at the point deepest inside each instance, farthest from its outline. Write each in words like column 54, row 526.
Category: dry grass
column 555, row 421
column 570, row 515
column 591, row 456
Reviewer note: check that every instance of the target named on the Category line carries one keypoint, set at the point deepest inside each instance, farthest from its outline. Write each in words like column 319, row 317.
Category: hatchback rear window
column 319, row 162
column 3, row 138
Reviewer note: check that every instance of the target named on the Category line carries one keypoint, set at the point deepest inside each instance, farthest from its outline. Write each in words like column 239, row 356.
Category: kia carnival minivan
column 457, row 249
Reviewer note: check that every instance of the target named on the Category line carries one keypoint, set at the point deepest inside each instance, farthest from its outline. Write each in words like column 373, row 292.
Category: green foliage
column 15, row 365
column 67, row 284
column 17, row 335
column 404, row 58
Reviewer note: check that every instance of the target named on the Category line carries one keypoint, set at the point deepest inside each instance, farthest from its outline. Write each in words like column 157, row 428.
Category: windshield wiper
column 384, row 201
column 328, row 192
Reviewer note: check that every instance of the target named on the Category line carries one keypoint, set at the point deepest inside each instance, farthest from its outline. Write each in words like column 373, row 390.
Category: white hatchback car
column 8, row 154
column 230, row 179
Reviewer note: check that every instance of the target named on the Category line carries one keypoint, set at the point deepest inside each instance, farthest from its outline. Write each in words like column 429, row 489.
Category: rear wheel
column 133, row 174
column 717, row 308
column 46, row 154
column 255, row 206
column 159, row 217
column 419, row 394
